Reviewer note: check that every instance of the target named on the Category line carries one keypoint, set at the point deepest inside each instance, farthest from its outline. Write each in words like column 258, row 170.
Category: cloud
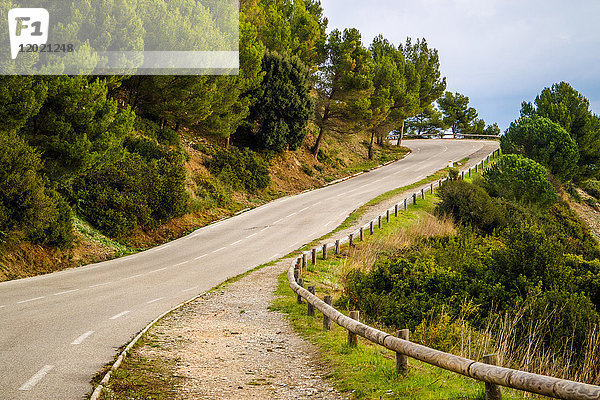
column 491, row 50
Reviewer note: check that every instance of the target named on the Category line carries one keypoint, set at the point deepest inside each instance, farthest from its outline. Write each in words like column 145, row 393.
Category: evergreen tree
column 77, row 126
column 283, row 105
column 570, row 109
column 457, row 114
column 344, row 86
column 428, row 122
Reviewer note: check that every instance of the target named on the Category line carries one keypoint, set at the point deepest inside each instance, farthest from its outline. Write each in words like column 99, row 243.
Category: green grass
column 93, row 234
column 368, row 371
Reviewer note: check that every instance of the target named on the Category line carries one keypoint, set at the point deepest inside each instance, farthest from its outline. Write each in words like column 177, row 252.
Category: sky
column 499, row 53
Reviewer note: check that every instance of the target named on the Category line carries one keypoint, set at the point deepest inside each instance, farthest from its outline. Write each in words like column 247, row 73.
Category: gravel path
column 228, row 345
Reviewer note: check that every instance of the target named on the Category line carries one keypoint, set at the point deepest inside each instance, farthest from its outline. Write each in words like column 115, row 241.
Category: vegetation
column 516, row 260
column 568, row 108
column 544, row 141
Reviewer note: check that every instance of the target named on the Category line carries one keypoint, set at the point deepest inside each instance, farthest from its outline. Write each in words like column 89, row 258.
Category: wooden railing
column 494, row 376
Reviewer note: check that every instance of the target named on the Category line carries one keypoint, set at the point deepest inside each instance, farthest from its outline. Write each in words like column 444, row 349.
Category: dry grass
column 425, row 226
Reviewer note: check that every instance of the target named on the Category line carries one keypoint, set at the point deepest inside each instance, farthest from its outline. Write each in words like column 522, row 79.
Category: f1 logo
column 27, row 26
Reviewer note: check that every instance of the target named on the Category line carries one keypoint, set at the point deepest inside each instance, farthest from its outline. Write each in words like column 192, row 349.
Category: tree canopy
column 544, row 141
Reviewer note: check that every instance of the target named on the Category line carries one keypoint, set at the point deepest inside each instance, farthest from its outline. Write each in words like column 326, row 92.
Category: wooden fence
column 494, row 376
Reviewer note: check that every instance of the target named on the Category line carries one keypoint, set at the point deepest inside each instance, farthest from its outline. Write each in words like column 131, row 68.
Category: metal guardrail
column 492, row 375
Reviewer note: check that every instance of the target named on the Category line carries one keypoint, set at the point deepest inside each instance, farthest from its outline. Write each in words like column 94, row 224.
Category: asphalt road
column 58, row 330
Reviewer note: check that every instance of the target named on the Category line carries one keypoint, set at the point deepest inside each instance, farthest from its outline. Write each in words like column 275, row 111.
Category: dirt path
column 228, row 345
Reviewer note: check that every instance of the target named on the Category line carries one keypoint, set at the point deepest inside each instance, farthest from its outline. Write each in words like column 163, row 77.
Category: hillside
column 290, row 172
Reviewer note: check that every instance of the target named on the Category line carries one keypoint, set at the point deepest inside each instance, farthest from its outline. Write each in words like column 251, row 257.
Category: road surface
column 58, row 330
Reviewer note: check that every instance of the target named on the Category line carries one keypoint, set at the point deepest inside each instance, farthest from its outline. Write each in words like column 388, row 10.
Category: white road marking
column 132, row 277
column 34, row 380
column 119, row 315
column 327, row 224
column 181, row 263
column 305, row 208
column 264, row 229
column 292, row 214
column 65, row 292
column 249, row 236
column 157, row 270
column 155, row 300
column 190, row 289
column 2, row 306
column 81, row 338
column 239, row 241
column 314, row 233
column 199, row 257
column 217, row 250
column 100, row 284
column 28, row 300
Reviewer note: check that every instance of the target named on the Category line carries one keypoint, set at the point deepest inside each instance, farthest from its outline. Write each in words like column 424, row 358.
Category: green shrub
column 212, row 190
column 118, row 197
column 453, row 173
column 240, row 169
column 165, row 136
column 592, row 187
column 515, row 177
column 470, row 205
column 544, row 141
column 29, row 209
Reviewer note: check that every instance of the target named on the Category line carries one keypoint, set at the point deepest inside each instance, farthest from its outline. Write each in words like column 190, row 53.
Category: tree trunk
column 401, row 134
column 227, row 144
column 371, row 144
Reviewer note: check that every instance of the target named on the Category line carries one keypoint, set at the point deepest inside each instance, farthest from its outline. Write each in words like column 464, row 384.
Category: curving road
column 58, row 330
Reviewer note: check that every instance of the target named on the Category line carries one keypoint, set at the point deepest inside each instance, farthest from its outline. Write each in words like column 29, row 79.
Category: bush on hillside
column 592, row 187
column 241, row 170
column 470, row 205
column 122, row 195
column 544, row 141
column 515, row 177
column 29, row 209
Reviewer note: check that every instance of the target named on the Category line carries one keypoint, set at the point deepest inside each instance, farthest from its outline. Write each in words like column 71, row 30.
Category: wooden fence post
column 326, row 321
column 352, row 338
column 414, row 198
column 325, row 252
column 492, row 391
column 401, row 359
column 431, row 188
column 379, row 222
column 301, row 284
column 469, row 172
column 463, row 175
column 337, row 247
column 371, row 228
column 476, row 167
column 361, row 232
column 296, row 274
column 314, row 256
column 423, row 194
column 350, row 236
column 396, row 210
column 303, row 260
column 310, row 309
column 387, row 216
column 405, row 206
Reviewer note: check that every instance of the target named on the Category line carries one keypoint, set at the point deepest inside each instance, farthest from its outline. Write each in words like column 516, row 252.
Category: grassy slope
column 369, row 371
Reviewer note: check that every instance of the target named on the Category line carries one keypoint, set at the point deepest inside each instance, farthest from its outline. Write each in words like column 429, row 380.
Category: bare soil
column 228, row 345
